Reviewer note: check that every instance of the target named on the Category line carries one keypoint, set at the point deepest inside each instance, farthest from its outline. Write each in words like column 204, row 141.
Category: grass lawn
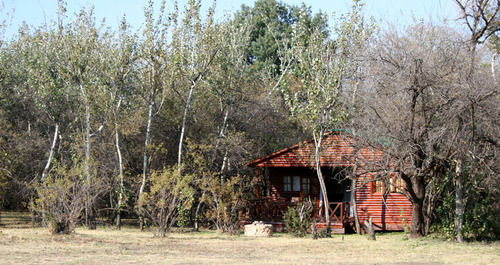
column 22, row 245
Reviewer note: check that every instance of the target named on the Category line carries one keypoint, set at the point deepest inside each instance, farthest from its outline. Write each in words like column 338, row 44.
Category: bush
column 298, row 219
column 481, row 216
column 224, row 201
column 61, row 200
column 170, row 193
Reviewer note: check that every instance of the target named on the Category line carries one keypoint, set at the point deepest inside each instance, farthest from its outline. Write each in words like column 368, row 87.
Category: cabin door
column 338, row 191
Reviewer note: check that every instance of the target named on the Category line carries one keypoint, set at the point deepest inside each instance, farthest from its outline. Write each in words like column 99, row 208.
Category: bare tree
column 416, row 100
column 482, row 19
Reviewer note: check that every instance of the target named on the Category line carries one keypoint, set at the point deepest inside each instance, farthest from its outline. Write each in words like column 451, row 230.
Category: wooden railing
column 266, row 209
column 339, row 211
column 273, row 210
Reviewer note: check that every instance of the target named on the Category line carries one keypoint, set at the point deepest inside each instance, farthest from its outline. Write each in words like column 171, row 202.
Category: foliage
column 169, row 194
column 271, row 23
column 481, row 216
column 228, row 199
column 61, row 198
column 124, row 102
column 298, row 219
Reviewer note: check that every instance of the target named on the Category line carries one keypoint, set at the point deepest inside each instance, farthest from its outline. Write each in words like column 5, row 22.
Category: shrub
column 61, row 199
column 169, row 193
column 226, row 201
column 298, row 219
column 481, row 216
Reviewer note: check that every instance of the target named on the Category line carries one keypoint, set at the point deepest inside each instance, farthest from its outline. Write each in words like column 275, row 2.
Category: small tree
column 61, row 198
column 168, row 193
column 298, row 219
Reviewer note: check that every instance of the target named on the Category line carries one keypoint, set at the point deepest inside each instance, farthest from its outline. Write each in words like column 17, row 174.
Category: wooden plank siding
column 391, row 211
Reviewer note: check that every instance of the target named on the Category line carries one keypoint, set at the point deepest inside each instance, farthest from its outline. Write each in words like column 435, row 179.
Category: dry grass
column 130, row 246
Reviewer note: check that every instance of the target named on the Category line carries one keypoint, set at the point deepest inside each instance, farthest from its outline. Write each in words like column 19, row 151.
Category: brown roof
column 337, row 150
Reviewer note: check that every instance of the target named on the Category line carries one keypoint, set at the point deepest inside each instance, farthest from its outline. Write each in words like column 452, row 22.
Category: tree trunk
column 317, row 155
column 354, row 204
column 183, row 128
column 493, row 58
column 120, row 167
column 145, row 154
column 51, row 153
column 89, row 216
column 459, row 207
column 417, row 219
column 197, row 212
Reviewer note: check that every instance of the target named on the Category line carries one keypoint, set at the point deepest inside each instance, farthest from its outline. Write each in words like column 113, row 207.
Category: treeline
column 157, row 125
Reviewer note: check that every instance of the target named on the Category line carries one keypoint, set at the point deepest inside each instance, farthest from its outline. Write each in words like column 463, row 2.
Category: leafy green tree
column 121, row 73
column 270, row 23
column 153, row 65
column 321, row 68
column 82, row 63
column 194, row 49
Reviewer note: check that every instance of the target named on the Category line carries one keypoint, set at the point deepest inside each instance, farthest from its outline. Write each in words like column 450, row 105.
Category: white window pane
column 296, row 183
column 287, row 183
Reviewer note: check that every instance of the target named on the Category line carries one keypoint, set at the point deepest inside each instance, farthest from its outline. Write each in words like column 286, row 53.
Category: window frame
column 287, row 184
column 303, row 183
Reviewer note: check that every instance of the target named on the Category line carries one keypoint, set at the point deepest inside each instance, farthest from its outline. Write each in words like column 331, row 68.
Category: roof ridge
column 295, row 146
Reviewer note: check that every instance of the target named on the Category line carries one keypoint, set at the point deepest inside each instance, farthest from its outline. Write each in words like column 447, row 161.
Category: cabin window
column 396, row 183
column 378, row 186
column 306, row 186
column 296, row 183
column 287, row 183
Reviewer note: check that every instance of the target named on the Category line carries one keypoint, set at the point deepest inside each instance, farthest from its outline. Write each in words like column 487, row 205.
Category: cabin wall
column 392, row 215
column 276, row 183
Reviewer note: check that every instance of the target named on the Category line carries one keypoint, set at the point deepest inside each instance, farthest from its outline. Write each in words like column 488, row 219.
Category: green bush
column 170, row 194
column 298, row 219
column 60, row 200
column 481, row 217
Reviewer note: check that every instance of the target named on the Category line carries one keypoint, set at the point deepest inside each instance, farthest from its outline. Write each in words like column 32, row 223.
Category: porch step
column 337, row 228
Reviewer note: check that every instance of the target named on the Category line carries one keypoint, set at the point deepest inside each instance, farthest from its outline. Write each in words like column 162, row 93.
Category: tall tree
column 153, row 63
column 83, row 44
column 415, row 101
column 320, row 71
column 272, row 21
column 194, row 51
column 122, row 57
column 482, row 19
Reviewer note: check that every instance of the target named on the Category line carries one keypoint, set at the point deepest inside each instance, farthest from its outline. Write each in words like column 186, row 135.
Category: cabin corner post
column 258, row 175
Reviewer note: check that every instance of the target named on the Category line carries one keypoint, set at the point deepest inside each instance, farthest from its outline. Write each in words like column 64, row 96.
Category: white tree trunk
column 355, row 205
column 183, row 128
column 51, row 153
column 317, row 156
column 146, row 144
column 493, row 59
column 145, row 153
column 120, row 166
column 88, row 204
column 459, row 206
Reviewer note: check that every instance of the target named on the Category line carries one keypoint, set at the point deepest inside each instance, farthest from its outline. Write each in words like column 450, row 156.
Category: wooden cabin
column 290, row 178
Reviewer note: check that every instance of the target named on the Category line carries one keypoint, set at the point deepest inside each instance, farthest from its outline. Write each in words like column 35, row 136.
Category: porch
column 271, row 211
